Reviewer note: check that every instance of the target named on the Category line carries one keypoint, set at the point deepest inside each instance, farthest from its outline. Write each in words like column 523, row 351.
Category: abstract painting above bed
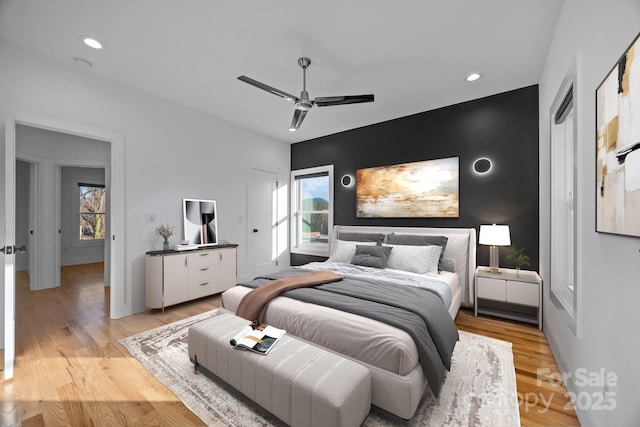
column 419, row 189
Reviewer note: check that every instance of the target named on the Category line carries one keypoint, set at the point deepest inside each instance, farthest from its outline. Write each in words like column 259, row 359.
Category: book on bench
column 259, row 338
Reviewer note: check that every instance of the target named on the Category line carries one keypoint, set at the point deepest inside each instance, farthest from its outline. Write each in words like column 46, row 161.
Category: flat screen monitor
column 200, row 222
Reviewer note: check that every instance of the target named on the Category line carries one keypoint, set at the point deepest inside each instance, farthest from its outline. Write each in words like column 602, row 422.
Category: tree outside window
column 93, row 201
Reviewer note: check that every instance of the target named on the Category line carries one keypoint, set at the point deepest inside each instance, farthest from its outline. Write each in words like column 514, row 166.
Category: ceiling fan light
column 473, row 77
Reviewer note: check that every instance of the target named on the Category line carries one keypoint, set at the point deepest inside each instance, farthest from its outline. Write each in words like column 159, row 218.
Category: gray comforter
column 417, row 311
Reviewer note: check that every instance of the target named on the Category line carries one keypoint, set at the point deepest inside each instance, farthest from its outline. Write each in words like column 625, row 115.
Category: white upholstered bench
column 301, row 384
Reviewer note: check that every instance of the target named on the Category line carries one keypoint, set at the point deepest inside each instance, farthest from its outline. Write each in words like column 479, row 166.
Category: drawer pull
column 204, row 284
column 204, row 269
column 205, row 254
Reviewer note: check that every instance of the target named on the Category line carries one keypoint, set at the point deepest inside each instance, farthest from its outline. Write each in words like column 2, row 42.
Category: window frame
column 297, row 247
column 564, row 283
column 77, row 240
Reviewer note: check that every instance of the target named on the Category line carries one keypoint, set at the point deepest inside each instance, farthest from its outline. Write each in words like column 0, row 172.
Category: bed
column 395, row 356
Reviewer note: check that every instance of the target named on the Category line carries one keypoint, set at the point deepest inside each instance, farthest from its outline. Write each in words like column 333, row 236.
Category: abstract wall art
column 200, row 222
column 426, row 189
column 618, row 146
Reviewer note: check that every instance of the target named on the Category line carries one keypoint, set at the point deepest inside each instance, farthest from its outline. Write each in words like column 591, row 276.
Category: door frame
column 99, row 164
column 280, row 206
column 120, row 293
column 8, row 236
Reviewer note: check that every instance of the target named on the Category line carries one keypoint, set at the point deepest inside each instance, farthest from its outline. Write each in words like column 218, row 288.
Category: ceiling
column 413, row 55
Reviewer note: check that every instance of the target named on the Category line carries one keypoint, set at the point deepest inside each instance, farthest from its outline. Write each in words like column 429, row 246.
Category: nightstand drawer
column 495, row 289
column 523, row 293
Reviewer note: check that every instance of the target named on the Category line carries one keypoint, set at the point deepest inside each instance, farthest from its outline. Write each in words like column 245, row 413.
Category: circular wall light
column 347, row 180
column 482, row 166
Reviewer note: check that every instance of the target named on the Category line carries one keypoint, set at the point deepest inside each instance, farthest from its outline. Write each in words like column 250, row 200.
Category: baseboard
column 584, row 417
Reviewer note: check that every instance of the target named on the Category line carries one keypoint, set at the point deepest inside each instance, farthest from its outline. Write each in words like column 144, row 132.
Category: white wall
column 73, row 251
column 171, row 151
column 608, row 265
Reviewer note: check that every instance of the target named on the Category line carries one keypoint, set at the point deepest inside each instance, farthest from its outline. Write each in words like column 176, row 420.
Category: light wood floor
column 71, row 370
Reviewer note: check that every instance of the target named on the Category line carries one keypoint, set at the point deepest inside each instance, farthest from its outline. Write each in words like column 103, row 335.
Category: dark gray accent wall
column 502, row 127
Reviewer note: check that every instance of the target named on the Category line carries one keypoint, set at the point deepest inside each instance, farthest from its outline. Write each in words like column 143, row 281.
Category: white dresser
column 173, row 276
column 509, row 294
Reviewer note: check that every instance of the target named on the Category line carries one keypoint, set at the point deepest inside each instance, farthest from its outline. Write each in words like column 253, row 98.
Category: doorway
column 120, row 292
column 60, row 162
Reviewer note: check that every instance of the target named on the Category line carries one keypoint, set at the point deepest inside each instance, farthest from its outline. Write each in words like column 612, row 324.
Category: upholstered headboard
column 461, row 246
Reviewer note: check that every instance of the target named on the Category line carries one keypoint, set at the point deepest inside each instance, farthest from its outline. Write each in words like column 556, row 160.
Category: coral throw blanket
column 254, row 303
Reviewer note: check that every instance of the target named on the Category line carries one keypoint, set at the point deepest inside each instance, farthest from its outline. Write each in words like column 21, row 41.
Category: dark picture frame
column 618, row 146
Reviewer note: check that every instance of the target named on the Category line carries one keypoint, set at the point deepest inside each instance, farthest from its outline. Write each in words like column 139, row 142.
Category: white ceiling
column 413, row 55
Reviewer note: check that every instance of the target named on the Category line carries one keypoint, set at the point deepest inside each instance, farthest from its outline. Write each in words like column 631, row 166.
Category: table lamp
column 494, row 236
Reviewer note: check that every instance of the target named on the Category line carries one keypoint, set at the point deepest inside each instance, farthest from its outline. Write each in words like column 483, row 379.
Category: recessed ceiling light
column 91, row 42
column 473, row 77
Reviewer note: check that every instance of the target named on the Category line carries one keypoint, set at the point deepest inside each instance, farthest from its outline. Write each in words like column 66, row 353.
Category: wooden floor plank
column 71, row 370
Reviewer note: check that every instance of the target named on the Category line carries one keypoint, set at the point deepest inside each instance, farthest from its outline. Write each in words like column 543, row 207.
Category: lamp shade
column 494, row 235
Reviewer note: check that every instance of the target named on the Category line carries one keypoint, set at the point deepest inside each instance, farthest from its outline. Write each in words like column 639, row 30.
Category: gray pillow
column 416, row 240
column 448, row 264
column 362, row 237
column 371, row 256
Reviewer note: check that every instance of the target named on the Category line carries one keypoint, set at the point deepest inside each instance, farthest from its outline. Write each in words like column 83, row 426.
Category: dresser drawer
column 495, row 289
column 523, row 293
column 204, row 288
column 203, row 259
column 202, row 274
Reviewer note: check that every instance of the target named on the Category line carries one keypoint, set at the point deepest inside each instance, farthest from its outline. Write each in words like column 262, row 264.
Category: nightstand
column 509, row 294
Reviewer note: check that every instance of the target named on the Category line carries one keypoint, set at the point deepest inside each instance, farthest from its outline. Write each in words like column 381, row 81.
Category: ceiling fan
column 303, row 104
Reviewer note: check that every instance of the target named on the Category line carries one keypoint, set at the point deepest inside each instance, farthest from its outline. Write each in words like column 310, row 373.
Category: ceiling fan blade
column 298, row 117
column 327, row 101
column 268, row 88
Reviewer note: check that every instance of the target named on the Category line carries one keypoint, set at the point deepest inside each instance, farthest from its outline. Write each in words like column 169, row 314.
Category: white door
column 7, row 241
column 262, row 222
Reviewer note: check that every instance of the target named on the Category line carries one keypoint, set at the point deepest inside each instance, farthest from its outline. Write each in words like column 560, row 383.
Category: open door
column 7, row 241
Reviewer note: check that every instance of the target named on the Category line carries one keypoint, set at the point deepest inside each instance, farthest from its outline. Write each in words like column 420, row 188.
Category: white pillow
column 416, row 259
column 343, row 250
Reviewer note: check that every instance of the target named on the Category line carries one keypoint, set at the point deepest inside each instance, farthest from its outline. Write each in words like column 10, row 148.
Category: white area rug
column 480, row 390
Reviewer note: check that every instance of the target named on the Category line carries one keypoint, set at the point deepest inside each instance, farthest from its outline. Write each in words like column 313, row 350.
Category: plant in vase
column 165, row 231
column 518, row 257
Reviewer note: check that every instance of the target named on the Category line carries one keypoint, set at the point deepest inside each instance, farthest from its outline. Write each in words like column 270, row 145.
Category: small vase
column 165, row 245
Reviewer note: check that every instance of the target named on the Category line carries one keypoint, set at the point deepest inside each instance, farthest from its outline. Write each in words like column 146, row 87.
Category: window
column 563, row 199
column 312, row 210
column 93, row 201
